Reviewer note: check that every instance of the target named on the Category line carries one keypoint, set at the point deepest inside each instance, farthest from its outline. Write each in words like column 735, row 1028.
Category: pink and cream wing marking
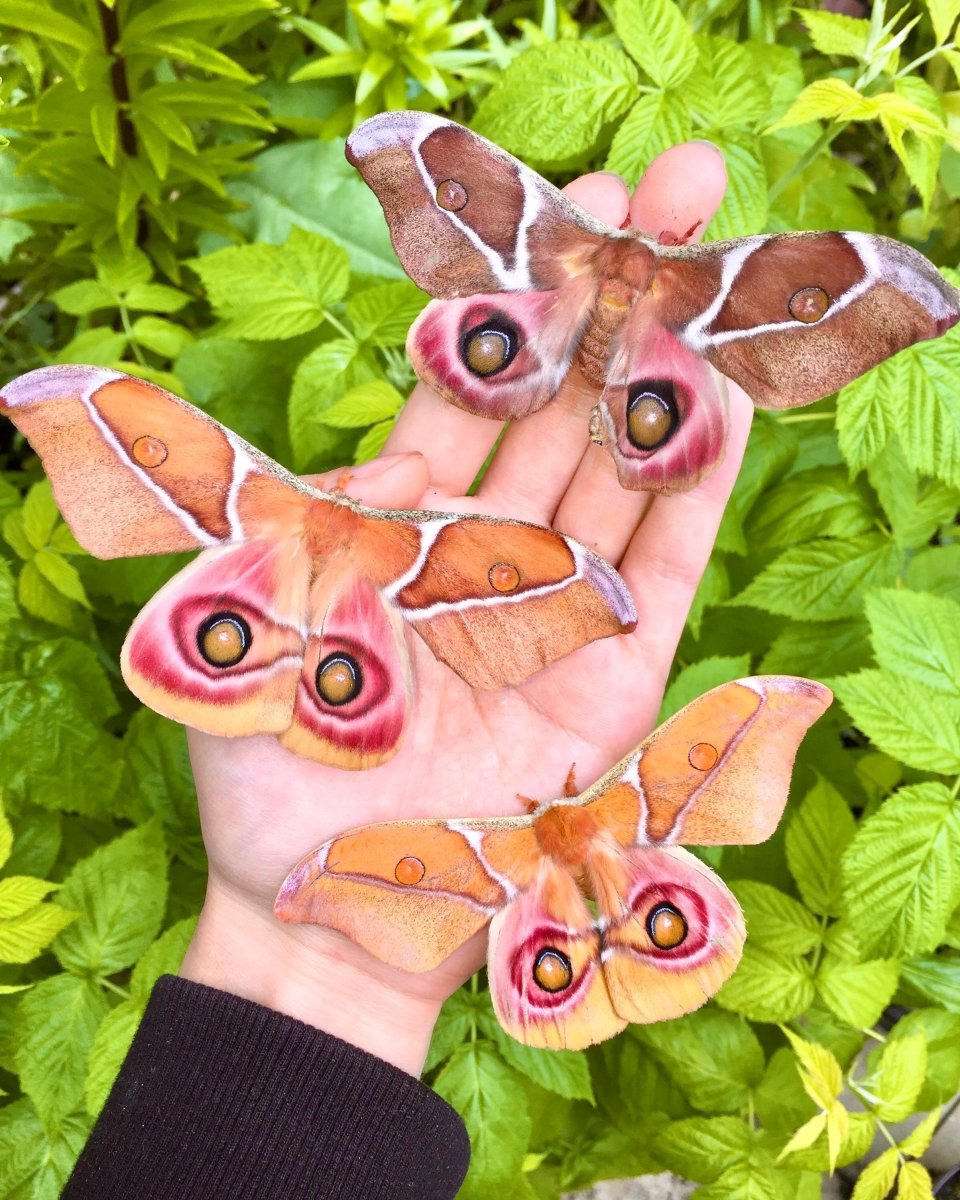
column 663, row 409
column 135, row 470
column 793, row 317
column 544, row 965
column 411, row 892
column 220, row 646
column 672, row 932
column 355, row 686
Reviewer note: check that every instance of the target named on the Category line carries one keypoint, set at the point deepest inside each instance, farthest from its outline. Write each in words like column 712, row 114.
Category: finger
column 538, row 456
column 664, row 204
column 603, row 194
column 666, row 559
column 390, row 481
column 454, row 443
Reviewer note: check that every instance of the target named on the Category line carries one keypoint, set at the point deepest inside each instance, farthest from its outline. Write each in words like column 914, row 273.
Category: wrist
column 316, row 976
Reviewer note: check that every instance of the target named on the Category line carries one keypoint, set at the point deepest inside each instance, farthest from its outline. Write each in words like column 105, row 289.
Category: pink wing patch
column 501, row 356
column 672, row 931
column 354, row 691
column 219, row 647
column 663, row 409
column 543, row 961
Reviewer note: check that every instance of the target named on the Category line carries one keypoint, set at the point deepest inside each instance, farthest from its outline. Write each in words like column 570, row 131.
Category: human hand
column 465, row 752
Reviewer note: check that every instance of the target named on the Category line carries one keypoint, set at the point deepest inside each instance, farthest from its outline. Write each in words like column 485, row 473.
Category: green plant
column 190, row 229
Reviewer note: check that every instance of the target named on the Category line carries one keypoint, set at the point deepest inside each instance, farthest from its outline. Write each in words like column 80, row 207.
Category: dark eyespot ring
column 653, row 414
column 339, row 679
column 490, row 347
column 223, row 639
column 666, row 927
column 552, row 971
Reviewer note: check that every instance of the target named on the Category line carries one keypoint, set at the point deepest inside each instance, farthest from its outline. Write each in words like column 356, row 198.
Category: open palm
column 465, row 752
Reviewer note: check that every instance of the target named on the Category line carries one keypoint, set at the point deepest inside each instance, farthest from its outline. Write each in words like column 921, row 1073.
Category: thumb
column 390, row 481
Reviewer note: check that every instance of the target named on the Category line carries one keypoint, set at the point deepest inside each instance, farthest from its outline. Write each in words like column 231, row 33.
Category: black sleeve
column 220, row 1098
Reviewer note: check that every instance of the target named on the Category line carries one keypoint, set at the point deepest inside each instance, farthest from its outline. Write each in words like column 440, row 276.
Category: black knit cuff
column 221, row 1098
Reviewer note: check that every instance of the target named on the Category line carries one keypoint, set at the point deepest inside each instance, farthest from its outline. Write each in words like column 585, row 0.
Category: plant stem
column 110, row 25
column 793, row 418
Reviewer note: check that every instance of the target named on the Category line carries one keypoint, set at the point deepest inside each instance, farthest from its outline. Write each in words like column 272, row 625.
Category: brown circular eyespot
column 808, row 305
column 666, row 927
column 339, row 679
column 224, row 639
column 451, row 195
column 504, row 577
column 490, row 347
column 652, row 414
column 149, row 451
column 703, row 756
column 409, row 870
column 552, row 970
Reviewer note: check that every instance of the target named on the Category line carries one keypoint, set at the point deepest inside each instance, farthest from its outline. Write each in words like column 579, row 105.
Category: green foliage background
column 174, row 201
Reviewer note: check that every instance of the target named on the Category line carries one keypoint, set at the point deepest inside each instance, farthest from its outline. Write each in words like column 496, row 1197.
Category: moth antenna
column 340, row 487
column 530, row 805
column 570, row 784
column 666, row 238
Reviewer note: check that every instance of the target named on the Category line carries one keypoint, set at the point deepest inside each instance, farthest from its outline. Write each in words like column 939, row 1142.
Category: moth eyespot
column 149, row 451
column 808, row 305
column 504, row 577
column 339, row 679
column 409, row 870
column 552, row 971
column 224, row 639
column 652, row 414
column 703, row 756
column 451, row 195
column 666, row 927
column 490, row 347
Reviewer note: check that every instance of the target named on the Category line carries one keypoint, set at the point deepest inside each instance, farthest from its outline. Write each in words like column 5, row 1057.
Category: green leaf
column 373, row 441
column 935, row 978
column 382, row 315
column 744, row 207
column 904, row 718
column 918, row 1139
column 916, row 509
column 914, row 1182
column 657, row 37
column 943, row 14
column 321, row 379
column 107, row 1052
column 828, row 99
column 23, row 937
column 6, row 834
column 820, row 1073
column 766, row 986
column 564, row 1072
column 833, row 33
column 121, row 890
column 162, row 958
column 55, row 1024
column 816, row 837
column 162, row 337
column 942, row 1033
column 274, row 292
column 365, row 404
column 40, row 514
column 46, row 21
column 810, row 504
column 876, row 1179
column 553, row 101
column 774, row 920
column 20, row 892
column 936, row 569
column 657, row 121
column 35, row 1161
column 61, row 575
column 748, row 1180
column 918, row 636
column 901, row 872
column 458, row 1016
column 823, row 579
column 725, row 90
column 156, row 297
column 490, row 1098
column 311, row 185
column 83, row 297
column 714, row 1057
column 701, row 1148
column 899, row 1076
column 857, row 992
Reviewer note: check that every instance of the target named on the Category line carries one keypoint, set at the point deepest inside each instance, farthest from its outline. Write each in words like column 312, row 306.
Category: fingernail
column 707, row 142
column 377, row 466
column 613, row 175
